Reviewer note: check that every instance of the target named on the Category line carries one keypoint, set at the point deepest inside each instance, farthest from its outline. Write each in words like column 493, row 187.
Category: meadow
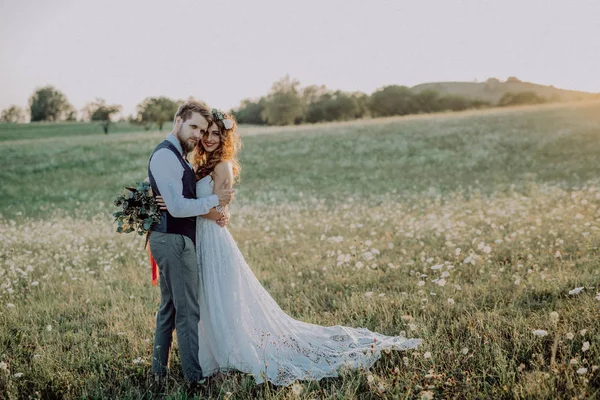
column 478, row 232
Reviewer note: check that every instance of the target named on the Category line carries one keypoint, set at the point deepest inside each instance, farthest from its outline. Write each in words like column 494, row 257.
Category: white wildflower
column 297, row 389
column 427, row 355
column 465, row 350
column 18, row 375
column 570, row 335
column 451, row 302
column 576, row 290
column 585, row 347
column 582, row 371
column 539, row 332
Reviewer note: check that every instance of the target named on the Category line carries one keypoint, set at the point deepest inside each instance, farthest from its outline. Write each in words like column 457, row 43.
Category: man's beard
column 186, row 146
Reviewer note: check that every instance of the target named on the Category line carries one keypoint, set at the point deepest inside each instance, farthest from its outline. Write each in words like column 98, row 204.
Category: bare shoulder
column 224, row 167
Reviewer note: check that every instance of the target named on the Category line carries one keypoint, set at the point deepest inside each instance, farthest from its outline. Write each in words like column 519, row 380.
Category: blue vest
column 168, row 223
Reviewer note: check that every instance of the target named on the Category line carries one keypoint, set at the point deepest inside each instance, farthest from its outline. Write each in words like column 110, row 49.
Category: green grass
column 39, row 130
column 342, row 223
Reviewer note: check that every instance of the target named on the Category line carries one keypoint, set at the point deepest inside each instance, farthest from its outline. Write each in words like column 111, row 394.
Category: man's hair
column 186, row 109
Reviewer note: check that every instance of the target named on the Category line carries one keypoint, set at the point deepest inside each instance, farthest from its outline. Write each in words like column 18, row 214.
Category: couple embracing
column 224, row 318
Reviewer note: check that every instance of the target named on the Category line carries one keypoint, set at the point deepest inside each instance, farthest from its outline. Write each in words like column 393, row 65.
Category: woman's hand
column 161, row 203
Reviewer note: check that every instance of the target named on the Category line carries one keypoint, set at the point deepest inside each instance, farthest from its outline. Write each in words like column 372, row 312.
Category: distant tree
column 519, row 98
column 513, row 79
column 335, row 106
column 156, row 110
column 98, row 110
column 250, row 112
column 454, row 103
column 428, row 101
column 362, row 104
column 49, row 104
column 392, row 100
column 13, row 114
column 284, row 105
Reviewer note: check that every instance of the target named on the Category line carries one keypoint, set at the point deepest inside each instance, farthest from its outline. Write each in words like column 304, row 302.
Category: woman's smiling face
column 211, row 139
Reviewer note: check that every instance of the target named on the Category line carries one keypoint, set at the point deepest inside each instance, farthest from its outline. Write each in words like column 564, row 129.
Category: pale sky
column 227, row 50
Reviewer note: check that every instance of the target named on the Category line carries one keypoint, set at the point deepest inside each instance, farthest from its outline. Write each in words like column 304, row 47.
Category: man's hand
column 161, row 203
column 225, row 194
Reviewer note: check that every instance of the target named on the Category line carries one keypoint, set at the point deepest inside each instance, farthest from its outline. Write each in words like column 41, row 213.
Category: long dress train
column 243, row 328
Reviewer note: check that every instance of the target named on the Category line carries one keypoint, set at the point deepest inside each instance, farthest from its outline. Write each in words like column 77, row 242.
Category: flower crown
column 219, row 115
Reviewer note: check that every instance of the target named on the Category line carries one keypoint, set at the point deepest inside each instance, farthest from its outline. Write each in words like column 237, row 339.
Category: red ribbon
column 154, row 267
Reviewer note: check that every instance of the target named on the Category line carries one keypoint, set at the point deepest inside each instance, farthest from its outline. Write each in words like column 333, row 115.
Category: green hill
column 492, row 90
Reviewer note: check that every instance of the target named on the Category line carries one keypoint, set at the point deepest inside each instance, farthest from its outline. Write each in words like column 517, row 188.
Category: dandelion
column 576, row 290
column 539, row 332
column 426, row 395
column 585, row 347
column 297, row 389
column 582, row 371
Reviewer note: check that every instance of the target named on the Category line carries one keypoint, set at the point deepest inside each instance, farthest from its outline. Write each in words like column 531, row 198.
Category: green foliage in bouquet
column 137, row 209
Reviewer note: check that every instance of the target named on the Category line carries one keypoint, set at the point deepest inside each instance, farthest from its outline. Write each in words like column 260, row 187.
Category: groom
column 173, row 240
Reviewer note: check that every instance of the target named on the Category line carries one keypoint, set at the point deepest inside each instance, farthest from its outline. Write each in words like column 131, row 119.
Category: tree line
column 286, row 104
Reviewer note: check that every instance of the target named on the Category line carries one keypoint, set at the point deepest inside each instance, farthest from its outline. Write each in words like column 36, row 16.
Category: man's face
column 191, row 131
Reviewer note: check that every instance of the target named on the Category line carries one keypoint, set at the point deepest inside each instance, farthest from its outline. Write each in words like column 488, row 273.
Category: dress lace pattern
column 243, row 328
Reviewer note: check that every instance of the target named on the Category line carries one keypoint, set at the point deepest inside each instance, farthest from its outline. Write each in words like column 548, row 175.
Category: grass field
column 467, row 230
column 40, row 130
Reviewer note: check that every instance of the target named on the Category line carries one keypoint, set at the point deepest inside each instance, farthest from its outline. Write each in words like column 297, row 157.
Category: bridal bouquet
column 137, row 209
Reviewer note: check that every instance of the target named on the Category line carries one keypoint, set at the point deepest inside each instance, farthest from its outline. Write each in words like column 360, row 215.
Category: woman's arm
column 223, row 172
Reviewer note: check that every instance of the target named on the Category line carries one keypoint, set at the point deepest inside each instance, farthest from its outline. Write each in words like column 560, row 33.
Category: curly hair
column 230, row 143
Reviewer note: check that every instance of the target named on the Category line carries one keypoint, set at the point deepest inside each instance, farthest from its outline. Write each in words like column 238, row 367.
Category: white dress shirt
column 168, row 172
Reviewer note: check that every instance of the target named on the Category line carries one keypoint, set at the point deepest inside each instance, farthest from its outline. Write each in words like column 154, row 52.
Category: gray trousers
column 179, row 306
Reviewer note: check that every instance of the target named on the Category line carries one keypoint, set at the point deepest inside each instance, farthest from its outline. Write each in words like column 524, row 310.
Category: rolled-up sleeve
column 168, row 172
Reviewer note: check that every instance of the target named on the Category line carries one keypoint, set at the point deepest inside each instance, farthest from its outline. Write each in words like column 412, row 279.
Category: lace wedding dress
column 242, row 327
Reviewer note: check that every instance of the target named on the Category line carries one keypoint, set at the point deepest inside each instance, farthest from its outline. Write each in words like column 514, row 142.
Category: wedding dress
column 242, row 328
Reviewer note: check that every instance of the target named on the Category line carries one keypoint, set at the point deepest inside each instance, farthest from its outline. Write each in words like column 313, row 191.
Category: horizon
column 135, row 53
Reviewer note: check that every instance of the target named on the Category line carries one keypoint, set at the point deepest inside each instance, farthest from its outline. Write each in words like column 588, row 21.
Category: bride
column 241, row 326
